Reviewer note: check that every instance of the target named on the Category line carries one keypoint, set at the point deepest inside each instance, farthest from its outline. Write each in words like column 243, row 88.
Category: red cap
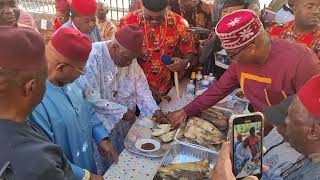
column 21, row 48
column 309, row 95
column 62, row 5
column 84, row 7
column 130, row 37
column 72, row 44
column 238, row 28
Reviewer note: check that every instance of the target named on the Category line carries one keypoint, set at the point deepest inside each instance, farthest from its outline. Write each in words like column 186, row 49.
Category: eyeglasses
column 239, row 51
column 82, row 72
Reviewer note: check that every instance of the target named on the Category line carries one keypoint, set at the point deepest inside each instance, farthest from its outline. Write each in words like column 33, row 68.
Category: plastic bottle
column 211, row 79
column 193, row 77
column 191, row 89
column 198, row 80
column 205, row 82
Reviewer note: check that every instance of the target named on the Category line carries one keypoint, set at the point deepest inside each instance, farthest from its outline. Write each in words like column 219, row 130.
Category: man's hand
column 177, row 117
column 129, row 116
column 179, row 64
column 161, row 118
column 106, row 150
column 223, row 167
column 95, row 177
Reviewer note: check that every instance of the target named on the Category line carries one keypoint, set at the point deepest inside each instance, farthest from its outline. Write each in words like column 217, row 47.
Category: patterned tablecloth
column 137, row 167
column 133, row 167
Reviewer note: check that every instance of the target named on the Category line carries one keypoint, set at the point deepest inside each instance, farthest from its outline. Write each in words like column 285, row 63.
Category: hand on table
column 95, row 177
column 106, row 150
column 161, row 118
column 179, row 64
column 177, row 117
column 129, row 116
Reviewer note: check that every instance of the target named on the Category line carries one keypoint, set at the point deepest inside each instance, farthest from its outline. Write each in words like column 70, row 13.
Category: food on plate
column 193, row 170
column 216, row 117
column 165, row 133
column 164, row 129
column 167, row 137
column 203, row 132
column 148, row 146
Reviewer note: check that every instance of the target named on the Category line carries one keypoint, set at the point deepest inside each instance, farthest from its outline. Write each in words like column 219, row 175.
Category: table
column 137, row 167
column 132, row 166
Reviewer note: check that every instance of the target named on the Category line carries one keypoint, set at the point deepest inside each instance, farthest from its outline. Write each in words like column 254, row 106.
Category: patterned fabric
column 114, row 89
column 311, row 39
column 107, row 30
column 170, row 38
column 199, row 17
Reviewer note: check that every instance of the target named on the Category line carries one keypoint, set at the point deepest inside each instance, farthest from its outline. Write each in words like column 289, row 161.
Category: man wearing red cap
column 165, row 34
column 116, row 84
column 302, row 132
column 62, row 14
column 305, row 29
column 64, row 115
column 23, row 71
column 268, row 70
column 83, row 18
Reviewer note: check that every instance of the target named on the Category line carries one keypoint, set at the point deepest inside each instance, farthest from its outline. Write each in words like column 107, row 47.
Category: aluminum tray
column 138, row 131
column 180, row 153
column 179, row 137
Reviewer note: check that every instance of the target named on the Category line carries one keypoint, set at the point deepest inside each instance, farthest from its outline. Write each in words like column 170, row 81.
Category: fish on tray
column 187, row 171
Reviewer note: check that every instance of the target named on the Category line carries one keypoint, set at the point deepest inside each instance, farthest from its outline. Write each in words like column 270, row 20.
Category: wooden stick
column 176, row 83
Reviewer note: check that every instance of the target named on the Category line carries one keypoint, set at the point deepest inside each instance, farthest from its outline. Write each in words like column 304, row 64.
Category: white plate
column 140, row 142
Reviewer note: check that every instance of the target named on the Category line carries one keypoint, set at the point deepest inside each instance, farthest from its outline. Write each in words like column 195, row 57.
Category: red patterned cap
column 239, row 28
column 309, row 95
column 72, row 44
column 130, row 37
column 84, row 7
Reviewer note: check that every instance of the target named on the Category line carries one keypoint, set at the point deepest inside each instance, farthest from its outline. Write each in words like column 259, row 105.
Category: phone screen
column 247, row 146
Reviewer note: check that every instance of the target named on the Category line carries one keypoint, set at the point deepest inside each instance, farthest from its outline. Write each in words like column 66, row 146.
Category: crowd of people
column 67, row 106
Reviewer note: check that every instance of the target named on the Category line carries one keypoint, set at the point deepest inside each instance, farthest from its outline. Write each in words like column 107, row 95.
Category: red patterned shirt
column 311, row 39
column 170, row 38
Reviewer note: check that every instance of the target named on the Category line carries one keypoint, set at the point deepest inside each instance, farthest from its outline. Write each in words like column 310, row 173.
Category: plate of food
column 146, row 128
column 147, row 145
column 240, row 96
column 185, row 162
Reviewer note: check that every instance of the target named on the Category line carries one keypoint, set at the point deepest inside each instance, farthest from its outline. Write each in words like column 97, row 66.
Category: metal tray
column 179, row 137
column 180, row 153
column 138, row 131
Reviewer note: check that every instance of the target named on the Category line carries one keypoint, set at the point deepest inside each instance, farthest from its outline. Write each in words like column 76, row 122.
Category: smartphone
column 247, row 134
column 269, row 16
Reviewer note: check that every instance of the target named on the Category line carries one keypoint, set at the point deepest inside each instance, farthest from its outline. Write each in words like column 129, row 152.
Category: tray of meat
column 185, row 162
column 218, row 116
column 197, row 132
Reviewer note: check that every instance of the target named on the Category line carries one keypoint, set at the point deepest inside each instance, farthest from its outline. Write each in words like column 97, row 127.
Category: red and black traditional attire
column 170, row 38
column 310, row 39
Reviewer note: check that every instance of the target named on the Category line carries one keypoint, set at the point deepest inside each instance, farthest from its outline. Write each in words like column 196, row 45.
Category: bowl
column 141, row 142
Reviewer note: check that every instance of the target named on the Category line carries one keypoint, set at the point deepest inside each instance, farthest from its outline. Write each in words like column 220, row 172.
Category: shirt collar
column 315, row 157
